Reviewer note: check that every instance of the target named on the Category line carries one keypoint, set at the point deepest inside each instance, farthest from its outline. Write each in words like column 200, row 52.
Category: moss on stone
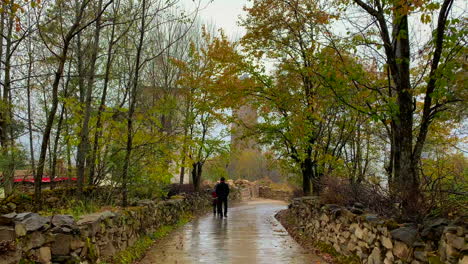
column 339, row 258
column 391, row 224
column 26, row 261
column 434, row 260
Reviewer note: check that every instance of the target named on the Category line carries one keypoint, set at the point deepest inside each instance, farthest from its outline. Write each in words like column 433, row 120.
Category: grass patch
column 137, row 251
column 337, row 257
column 75, row 208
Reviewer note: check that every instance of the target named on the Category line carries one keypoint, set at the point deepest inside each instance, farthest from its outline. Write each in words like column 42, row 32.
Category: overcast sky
column 222, row 13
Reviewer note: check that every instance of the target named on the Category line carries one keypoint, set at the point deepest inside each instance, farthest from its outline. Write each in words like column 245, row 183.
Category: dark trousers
column 221, row 202
column 215, row 205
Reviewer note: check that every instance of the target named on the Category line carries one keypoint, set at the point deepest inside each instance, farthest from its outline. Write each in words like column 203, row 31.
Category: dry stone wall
column 267, row 192
column 98, row 236
column 375, row 240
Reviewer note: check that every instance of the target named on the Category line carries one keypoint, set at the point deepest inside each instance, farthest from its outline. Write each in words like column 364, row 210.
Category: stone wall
column 98, row 236
column 375, row 240
column 247, row 190
column 268, row 193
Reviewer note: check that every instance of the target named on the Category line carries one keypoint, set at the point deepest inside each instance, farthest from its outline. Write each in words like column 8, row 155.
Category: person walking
column 222, row 191
column 214, row 201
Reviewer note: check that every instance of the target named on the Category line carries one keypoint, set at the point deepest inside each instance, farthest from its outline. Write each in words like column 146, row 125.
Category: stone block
column 375, row 257
column 44, row 255
column 76, row 244
column 358, row 232
column 456, row 241
column 386, row 242
column 420, row 255
column 35, row 222
column 407, row 234
column 37, row 239
column 61, row 245
column 463, row 260
column 401, row 250
column 63, row 220
column 7, row 233
column 20, row 229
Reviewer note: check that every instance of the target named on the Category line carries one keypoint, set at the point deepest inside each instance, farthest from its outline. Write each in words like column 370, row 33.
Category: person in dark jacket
column 222, row 191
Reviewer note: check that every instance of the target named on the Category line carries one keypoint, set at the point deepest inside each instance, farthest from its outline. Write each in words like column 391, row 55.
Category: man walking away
column 222, row 191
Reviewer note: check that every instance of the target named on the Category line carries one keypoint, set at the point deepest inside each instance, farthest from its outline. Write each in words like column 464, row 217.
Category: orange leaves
column 12, row 8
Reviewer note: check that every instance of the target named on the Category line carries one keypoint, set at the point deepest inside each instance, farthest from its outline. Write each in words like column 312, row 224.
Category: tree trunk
column 306, row 168
column 197, row 169
column 182, row 172
column 28, row 91
column 59, row 130
column 51, row 116
column 98, row 133
column 132, row 99
column 7, row 147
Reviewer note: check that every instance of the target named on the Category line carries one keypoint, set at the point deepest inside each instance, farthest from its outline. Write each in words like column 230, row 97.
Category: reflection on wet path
column 250, row 234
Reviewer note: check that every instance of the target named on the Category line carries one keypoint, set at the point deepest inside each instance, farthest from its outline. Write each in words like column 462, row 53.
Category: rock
column 89, row 219
column 76, row 244
column 10, row 257
column 374, row 257
column 63, row 230
column 401, row 250
column 386, row 242
column 52, row 200
column 22, row 216
column 145, row 202
column 389, row 258
column 351, row 247
column 11, row 206
column 451, row 252
column 368, row 236
column 455, row 241
column 63, row 220
column 107, row 214
column 346, row 234
column 108, row 250
column 20, row 229
column 61, row 245
column 34, row 222
column 358, row 205
column 7, row 219
column 433, row 228
column 359, row 233
column 37, row 239
column 407, row 234
column 420, row 255
column 419, row 244
column 90, row 223
column 464, row 260
column 324, row 218
column 7, row 233
column 44, row 255
column 371, row 218
column 356, row 211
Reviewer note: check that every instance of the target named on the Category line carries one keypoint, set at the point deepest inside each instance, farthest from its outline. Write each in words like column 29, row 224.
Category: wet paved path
column 250, row 234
